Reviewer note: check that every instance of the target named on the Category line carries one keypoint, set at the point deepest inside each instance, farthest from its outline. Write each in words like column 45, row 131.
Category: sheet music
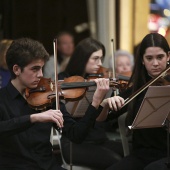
column 154, row 109
column 78, row 108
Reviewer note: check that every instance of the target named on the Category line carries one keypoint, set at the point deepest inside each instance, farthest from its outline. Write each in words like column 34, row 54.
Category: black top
column 153, row 138
column 26, row 145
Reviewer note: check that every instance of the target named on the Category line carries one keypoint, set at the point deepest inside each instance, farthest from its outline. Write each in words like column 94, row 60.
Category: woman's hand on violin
column 48, row 116
column 114, row 103
column 101, row 90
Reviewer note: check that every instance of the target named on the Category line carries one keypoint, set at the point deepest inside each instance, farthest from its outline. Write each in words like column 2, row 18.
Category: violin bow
column 163, row 73
column 113, row 65
column 57, row 94
column 56, row 77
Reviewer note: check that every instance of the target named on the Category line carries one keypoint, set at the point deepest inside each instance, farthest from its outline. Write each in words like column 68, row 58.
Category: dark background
column 42, row 19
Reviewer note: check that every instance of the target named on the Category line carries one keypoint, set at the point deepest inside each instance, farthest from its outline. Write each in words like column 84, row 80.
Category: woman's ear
column 16, row 70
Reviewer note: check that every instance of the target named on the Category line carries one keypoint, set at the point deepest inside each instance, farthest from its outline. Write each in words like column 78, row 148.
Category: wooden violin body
column 69, row 89
column 45, row 93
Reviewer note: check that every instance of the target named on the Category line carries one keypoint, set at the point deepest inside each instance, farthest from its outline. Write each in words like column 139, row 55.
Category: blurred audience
column 4, row 72
column 65, row 48
column 124, row 62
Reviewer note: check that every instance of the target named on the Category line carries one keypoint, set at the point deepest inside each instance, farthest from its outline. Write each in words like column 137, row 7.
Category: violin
column 103, row 72
column 70, row 89
column 122, row 79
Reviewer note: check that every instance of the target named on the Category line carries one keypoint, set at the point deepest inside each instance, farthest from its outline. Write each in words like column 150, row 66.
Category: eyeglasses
column 97, row 59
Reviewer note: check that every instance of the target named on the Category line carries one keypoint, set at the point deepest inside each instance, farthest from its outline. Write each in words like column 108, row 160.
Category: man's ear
column 16, row 70
column 168, row 56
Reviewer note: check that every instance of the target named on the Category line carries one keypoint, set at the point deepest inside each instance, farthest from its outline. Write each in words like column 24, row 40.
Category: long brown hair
column 81, row 55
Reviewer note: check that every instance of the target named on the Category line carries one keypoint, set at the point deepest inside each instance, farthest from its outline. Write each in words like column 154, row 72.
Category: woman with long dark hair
column 97, row 150
column 149, row 144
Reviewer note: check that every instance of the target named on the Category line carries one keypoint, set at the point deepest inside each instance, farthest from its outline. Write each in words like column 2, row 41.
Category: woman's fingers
column 115, row 103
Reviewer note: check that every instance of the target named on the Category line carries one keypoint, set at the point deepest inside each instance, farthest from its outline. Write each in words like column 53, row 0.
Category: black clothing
column 158, row 165
column 149, row 144
column 26, row 145
column 96, row 150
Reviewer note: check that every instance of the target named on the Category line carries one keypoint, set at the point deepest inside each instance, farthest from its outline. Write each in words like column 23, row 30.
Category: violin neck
column 77, row 85
column 98, row 75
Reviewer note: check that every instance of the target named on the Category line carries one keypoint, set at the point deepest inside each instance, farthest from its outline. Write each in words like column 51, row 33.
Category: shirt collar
column 12, row 90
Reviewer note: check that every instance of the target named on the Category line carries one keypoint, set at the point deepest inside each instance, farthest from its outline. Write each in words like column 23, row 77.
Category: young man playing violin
column 149, row 144
column 25, row 132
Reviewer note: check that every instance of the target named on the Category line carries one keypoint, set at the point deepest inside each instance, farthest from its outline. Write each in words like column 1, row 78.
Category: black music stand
column 154, row 112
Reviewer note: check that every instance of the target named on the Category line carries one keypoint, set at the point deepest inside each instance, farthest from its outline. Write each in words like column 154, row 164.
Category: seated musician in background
column 25, row 132
column 96, row 150
column 148, row 144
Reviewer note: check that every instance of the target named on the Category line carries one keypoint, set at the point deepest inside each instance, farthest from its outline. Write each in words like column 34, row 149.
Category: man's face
column 66, row 45
column 30, row 76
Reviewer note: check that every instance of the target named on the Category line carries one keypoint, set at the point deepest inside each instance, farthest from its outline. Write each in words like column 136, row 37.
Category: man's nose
column 40, row 73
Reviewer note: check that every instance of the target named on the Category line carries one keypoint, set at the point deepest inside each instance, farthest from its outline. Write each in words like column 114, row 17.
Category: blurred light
column 167, row 12
column 81, row 27
column 162, row 31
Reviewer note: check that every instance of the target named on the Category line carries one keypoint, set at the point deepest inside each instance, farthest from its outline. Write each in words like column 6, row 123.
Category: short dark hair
column 81, row 55
column 23, row 51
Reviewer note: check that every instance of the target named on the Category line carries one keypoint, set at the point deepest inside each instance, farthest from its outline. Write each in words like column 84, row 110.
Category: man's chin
column 95, row 72
column 33, row 86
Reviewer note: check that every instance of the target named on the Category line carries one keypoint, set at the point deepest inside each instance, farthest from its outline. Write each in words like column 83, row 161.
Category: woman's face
column 94, row 62
column 155, row 60
column 123, row 64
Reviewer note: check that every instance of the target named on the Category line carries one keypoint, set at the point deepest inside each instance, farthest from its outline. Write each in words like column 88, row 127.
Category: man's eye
column 35, row 68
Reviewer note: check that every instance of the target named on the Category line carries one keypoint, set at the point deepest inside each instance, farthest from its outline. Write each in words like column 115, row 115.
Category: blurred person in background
column 124, row 62
column 4, row 72
column 65, row 48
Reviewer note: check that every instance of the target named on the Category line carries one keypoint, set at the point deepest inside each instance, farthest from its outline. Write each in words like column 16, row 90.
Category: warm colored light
column 167, row 12
column 162, row 31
